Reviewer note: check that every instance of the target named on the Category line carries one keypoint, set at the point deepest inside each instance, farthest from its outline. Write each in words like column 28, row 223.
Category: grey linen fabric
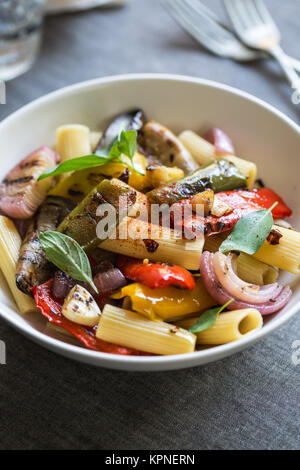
column 247, row 401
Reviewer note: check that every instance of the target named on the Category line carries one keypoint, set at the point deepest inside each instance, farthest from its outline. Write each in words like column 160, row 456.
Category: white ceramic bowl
column 260, row 132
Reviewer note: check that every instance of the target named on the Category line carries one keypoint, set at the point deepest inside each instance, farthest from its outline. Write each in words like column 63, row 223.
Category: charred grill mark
column 23, row 180
column 274, row 237
column 220, row 226
column 73, row 192
column 208, row 228
column 30, row 164
column 125, row 176
column 260, row 183
column 151, row 245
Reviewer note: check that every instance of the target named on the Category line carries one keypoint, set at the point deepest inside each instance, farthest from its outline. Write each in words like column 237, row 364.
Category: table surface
column 247, row 401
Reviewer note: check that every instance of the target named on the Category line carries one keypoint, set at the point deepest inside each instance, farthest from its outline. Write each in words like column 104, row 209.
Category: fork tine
column 175, row 8
column 210, row 24
column 233, row 9
column 183, row 14
column 250, row 12
column 264, row 12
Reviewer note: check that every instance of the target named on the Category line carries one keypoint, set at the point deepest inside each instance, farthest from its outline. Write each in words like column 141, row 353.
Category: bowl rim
column 108, row 359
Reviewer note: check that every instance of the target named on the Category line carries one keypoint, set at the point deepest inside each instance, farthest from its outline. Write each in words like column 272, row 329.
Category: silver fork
column 256, row 28
column 203, row 25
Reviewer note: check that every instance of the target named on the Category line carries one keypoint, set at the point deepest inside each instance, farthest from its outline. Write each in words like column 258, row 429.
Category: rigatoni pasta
column 10, row 242
column 73, row 141
column 255, row 272
column 131, row 330
column 229, row 326
column 164, row 245
column 286, row 254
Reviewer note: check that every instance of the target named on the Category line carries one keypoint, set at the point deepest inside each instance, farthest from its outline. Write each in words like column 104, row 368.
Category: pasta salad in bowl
column 143, row 242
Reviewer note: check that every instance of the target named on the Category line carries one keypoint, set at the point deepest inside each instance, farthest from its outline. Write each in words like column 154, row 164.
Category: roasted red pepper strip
column 155, row 275
column 51, row 309
column 265, row 198
column 242, row 203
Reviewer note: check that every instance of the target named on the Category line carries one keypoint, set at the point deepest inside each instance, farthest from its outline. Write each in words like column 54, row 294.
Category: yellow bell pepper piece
column 80, row 183
column 168, row 303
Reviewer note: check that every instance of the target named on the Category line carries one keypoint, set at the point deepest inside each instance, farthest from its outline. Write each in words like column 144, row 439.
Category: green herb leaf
column 250, row 232
column 68, row 256
column 89, row 161
column 125, row 144
column 208, row 318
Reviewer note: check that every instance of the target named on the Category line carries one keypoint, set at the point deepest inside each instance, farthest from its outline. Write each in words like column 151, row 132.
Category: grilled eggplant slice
column 132, row 120
column 159, row 141
column 20, row 192
column 33, row 268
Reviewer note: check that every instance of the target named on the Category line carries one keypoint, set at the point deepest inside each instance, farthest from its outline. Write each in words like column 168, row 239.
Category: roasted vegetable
column 78, row 184
column 204, row 200
column 33, row 268
column 156, row 275
column 265, row 198
column 80, row 307
column 221, row 141
column 168, row 303
column 81, row 223
column 132, row 120
column 161, row 174
column 218, row 176
column 159, row 141
column 52, row 310
column 20, row 192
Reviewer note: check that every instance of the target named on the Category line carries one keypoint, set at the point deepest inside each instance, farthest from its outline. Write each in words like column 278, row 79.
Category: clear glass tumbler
column 20, row 35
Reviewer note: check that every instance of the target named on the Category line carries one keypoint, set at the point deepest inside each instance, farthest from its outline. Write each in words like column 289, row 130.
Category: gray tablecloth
column 248, row 401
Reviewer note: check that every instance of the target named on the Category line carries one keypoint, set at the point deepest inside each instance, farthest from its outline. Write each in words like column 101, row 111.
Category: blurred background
column 141, row 36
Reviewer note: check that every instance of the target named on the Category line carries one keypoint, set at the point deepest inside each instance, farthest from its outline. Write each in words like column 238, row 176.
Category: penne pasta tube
column 254, row 271
column 165, row 245
column 204, row 153
column 229, row 326
column 285, row 255
column 73, row 141
column 131, row 330
column 10, row 243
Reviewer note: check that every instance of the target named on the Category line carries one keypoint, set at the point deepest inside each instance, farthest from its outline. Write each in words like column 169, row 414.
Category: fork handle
column 287, row 67
column 293, row 62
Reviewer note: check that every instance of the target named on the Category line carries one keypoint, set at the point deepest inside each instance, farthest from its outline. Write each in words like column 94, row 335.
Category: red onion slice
column 225, row 271
column 222, row 142
column 222, row 296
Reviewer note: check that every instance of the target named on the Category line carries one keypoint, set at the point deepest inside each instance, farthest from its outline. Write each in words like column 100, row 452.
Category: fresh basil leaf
column 80, row 163
column 250, row 232
column 125, row 144
column 208, row 318
column 67, row 255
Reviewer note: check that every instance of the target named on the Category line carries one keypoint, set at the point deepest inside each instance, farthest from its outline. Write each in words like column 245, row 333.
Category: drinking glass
column 20, row 35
